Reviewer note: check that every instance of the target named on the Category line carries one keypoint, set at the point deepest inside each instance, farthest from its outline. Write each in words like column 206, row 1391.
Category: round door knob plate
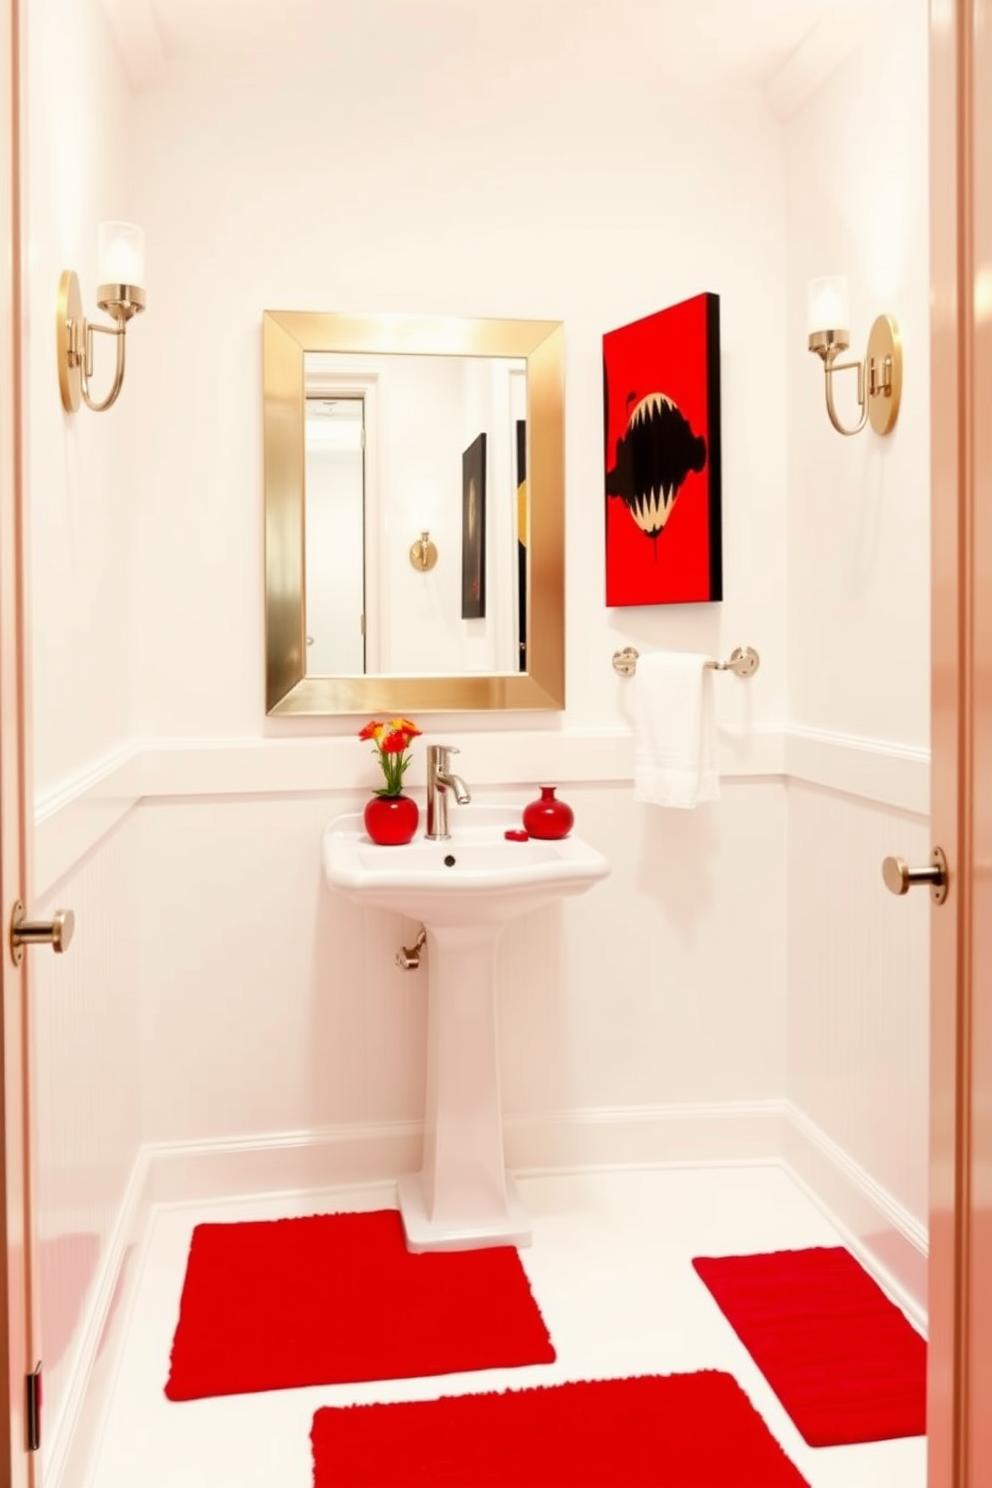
column 56, row 932
column 899, row 878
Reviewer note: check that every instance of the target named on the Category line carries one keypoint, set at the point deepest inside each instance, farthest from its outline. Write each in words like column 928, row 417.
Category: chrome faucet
column 439, row 782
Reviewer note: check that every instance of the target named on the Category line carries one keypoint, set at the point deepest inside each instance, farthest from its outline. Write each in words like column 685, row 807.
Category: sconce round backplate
column 885, row 362
column 68, row 310
column 423, row 554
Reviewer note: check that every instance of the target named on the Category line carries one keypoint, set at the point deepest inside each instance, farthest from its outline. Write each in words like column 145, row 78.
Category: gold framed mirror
column 289, row 339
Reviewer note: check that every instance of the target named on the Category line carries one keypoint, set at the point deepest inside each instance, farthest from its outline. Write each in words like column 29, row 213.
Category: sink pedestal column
column 463, row 1198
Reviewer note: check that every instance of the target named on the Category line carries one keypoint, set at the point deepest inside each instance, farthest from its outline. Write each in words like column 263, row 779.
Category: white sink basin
column 464, row 890
column 474, row 876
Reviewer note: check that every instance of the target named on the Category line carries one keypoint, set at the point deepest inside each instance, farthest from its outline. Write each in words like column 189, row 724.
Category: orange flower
column 391, row 741
column 406, row 726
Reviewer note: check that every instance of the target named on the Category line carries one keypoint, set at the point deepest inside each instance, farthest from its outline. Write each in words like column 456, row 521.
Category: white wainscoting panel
column 218, row 995
column 271, row 1003
column 86, row 1074
column 859, row 987
column 71, row 820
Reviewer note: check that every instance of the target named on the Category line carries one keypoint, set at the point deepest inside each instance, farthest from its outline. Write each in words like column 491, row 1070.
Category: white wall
column 859, row 616
column 858, row 557
column 81, row 519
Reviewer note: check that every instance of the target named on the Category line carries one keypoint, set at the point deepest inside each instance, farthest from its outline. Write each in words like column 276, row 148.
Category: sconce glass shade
column 828, row 313
column 120, row 256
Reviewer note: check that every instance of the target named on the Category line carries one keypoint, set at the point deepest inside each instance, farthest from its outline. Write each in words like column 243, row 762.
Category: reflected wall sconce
column 879, row 375
column 120, row 292
column 423, row 553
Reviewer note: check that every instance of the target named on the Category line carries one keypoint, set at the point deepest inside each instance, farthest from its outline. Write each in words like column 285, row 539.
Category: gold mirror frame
column 287, row 337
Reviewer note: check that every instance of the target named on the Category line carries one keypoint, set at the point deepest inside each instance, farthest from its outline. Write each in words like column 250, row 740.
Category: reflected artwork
column 474, row 530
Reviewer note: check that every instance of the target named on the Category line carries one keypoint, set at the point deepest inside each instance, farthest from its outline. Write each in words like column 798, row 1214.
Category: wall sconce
column 423, row 553
column 121, row 293
column 879, row 375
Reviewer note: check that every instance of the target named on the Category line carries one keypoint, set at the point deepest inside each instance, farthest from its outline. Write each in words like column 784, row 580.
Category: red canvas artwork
column 661, row 397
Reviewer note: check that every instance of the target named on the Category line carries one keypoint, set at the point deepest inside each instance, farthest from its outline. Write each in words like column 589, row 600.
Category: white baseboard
column 69, row 1439
column 290, row 1162
column 644, row 1136
column 889, row 1242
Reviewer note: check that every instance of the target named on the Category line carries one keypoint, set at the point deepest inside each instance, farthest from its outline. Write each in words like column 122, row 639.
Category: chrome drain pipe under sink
column 408, row 957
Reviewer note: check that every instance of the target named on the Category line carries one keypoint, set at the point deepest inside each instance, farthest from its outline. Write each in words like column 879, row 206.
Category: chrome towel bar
column 743, row 662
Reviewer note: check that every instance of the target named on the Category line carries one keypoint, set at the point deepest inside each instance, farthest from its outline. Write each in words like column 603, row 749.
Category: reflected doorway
column 334, row 475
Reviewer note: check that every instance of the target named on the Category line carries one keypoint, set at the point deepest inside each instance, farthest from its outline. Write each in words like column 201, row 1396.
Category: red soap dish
column 516, row 834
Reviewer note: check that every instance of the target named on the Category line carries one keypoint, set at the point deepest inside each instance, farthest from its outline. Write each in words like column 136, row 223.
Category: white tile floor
column 610, row 1269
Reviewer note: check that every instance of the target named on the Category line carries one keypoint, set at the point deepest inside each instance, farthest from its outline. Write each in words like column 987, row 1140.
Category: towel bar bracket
column 743, row 662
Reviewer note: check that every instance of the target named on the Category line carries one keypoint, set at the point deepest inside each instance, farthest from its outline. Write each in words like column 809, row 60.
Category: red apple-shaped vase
column 547, row 816
column 391, row 820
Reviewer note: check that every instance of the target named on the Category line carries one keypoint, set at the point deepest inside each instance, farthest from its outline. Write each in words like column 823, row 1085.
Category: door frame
column 960, row 1271
column 18, row 1312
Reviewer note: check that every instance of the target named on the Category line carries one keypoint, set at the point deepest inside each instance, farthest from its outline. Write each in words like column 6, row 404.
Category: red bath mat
column 844, row 1361
column 279, row 1304
column 659, row 1431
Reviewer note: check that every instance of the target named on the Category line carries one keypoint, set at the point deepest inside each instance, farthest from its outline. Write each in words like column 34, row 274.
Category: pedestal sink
column 463, row 890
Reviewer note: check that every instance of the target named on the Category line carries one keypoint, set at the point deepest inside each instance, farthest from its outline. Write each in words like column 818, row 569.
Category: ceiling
column 783, row 48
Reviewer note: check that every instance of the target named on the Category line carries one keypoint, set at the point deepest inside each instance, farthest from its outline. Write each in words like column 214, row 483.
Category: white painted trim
column 73, row 818
column 69, row 1437
column 891, row 1244
column 498, row 759
column 644, row 1136
column 836, row 33
column 136, row 32
column 290, row 1162
column 879, row 771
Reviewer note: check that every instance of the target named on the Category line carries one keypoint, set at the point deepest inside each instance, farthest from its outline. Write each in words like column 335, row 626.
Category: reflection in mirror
column 334, row 523
column 381, row 429
column 399, row 446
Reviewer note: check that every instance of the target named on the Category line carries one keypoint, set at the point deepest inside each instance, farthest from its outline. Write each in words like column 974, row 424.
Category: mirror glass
column 423, row 450
column 413, row 513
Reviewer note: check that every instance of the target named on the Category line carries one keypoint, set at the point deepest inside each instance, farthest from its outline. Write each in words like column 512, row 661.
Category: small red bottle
column 548, row 817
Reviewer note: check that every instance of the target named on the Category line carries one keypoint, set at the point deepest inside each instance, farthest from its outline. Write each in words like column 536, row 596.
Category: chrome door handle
column 900, row 878
column 56, row 932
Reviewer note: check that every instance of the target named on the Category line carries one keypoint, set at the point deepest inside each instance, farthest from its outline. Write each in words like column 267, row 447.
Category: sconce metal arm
column 74, row 338
column 879, row 374
column 829, row 368
column 86, row 365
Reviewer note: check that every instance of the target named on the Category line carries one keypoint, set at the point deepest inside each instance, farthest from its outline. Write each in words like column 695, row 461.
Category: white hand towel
column 675, row 743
